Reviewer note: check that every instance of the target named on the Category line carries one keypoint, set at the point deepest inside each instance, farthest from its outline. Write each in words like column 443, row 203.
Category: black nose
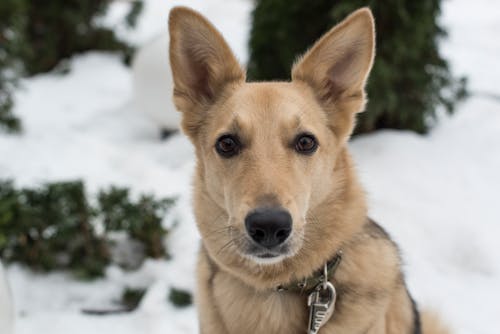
column 269, row 227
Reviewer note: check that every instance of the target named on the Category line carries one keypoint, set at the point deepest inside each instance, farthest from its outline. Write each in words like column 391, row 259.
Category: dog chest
column 245, row 310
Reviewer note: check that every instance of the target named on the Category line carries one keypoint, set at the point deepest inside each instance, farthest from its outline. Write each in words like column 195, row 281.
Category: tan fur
column 236, row 292
column 432, row 324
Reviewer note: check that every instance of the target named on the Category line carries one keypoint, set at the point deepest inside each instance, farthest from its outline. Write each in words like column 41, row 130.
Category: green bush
column 54, row 227
column 49, row 228
column 410, row 78
column 35, row 36
column 56, row 30
column 8, row 121
column 180, row 298
column 141, row 219
column 11, row 44
column 131, row 297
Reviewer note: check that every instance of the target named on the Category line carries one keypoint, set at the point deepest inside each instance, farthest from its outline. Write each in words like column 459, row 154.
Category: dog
column 287, row 246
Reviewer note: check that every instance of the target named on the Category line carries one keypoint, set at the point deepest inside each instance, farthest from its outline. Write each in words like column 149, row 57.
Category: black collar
column 308, row 284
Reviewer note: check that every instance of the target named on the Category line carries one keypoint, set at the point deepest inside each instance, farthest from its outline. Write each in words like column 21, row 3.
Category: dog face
column 266, row 151
column 263, row 156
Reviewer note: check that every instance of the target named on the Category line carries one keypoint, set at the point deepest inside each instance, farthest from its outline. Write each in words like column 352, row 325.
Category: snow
column 6, row 310
column 153, row 83
column 437, row 195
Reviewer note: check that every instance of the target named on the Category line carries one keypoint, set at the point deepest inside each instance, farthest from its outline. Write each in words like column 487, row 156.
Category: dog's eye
column 306, row 144
column 227, row 146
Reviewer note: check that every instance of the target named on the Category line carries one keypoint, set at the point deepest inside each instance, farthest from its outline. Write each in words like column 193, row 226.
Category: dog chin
column 267, row 260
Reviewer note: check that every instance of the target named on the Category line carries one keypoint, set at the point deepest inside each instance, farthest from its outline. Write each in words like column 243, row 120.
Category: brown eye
column 306, row 144
column 227, row 146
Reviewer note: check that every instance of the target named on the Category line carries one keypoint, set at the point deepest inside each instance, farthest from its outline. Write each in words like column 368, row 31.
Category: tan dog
column 276, row 197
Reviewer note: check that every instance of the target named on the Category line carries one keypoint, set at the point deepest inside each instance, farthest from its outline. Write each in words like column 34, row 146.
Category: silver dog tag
column 321, row 304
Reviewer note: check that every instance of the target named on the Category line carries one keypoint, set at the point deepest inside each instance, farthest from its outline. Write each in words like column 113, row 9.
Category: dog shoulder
column 371, row 266
column 370, row 281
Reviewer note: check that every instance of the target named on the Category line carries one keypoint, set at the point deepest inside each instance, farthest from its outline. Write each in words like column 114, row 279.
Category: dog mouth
column 268, row 237
column 267, row 258
column 262, row 255
column 268, row 255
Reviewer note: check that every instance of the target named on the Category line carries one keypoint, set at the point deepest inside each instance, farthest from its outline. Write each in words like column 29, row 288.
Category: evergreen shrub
column 55, row 30
column 141, row 219
column 11, row 45
column 54, row 226
column 36, row 36
column 131, row 298
column 410, row 79
column 180, row 298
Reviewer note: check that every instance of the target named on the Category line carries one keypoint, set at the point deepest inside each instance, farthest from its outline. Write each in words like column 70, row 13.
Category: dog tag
column 321, row 304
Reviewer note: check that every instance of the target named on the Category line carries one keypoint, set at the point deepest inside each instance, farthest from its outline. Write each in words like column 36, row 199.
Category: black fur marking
column 376, row 231
column 417, row 325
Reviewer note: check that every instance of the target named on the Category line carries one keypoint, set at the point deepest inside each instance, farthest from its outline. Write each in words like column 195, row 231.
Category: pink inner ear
column 196, row 71
column 199, row 78
column 345, row 73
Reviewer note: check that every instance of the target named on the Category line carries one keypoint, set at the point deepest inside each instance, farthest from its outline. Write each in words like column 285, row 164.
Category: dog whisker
column 233, row 242
column 221, row 230
column 225, row 246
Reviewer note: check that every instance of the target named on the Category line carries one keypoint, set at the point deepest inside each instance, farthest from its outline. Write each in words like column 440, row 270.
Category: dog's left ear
column 337, row 67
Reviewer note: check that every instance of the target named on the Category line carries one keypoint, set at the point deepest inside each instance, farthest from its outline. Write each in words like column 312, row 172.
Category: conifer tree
column 35, row 36
column 410, row 78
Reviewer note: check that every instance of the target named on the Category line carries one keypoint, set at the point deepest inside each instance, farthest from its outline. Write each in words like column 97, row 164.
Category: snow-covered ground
column 437, row 194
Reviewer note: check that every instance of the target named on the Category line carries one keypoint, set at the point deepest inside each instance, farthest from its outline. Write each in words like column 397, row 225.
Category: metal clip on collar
column 321, row 303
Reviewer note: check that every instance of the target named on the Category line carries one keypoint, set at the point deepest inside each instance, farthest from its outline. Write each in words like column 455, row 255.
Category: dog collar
column 308, row 284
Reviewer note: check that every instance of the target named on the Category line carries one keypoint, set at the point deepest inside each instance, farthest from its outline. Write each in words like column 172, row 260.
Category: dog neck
column 336, row 220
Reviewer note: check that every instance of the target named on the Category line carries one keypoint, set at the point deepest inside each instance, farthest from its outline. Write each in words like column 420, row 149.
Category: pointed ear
column 337, row 66
column 202, row 64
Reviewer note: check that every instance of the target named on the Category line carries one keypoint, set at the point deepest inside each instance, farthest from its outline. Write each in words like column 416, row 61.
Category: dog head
column 266, row 151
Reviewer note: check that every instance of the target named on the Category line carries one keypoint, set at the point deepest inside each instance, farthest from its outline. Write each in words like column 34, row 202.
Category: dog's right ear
column 202, row 64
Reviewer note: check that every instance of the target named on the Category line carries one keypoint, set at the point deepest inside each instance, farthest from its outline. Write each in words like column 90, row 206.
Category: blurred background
column 96, row 230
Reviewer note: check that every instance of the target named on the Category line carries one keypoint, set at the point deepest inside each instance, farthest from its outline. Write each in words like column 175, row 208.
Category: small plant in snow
column 180, row 298
column 142, row 219
column 54, row 227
